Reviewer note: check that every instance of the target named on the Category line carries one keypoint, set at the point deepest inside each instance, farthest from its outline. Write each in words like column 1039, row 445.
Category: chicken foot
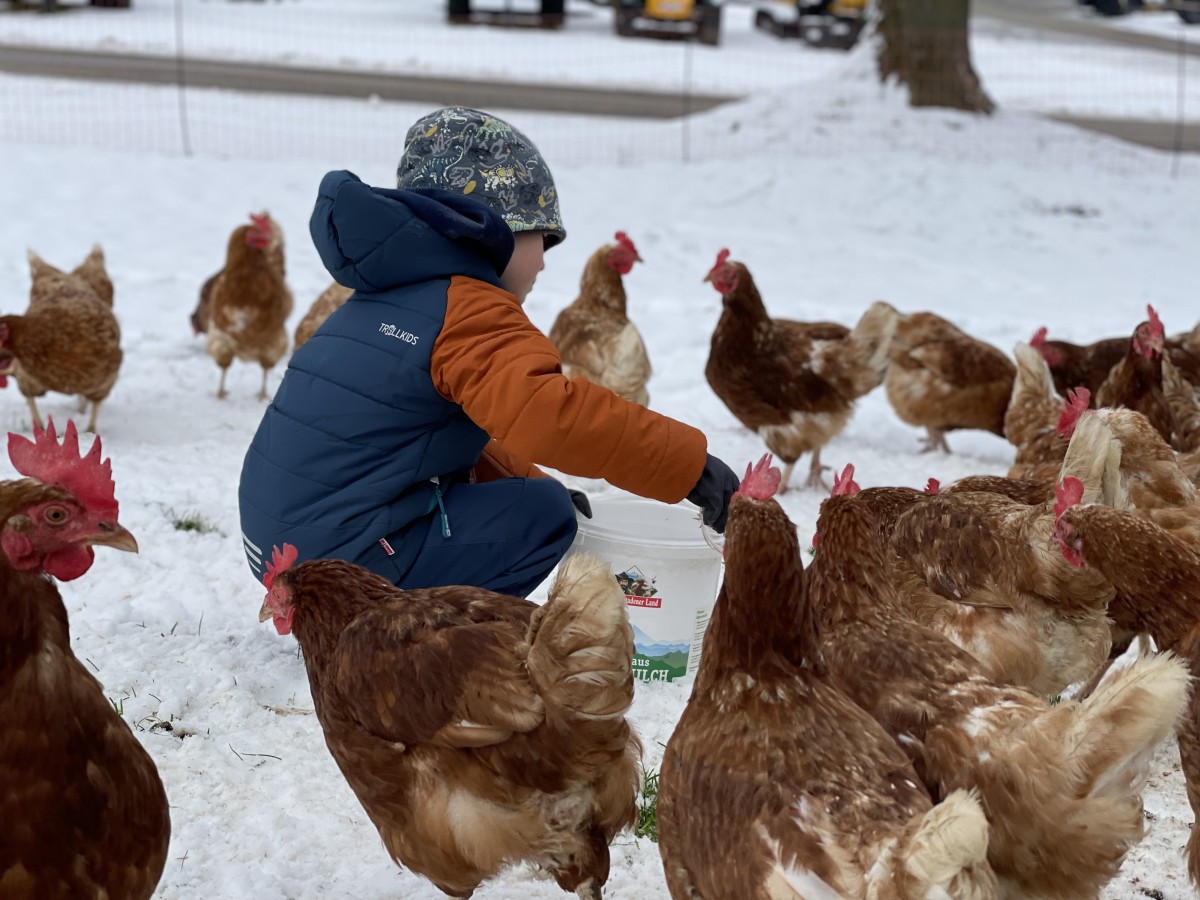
column 814, row 472
column 221, row 392
column 262, row 392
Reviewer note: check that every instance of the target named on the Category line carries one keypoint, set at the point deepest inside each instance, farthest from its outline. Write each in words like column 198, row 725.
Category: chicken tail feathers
column 1103, row 747
column 1115, row 731
column 1033, row 381
column 865, row 359
column 1094, row 457
column 946, row 848
column 580, row 652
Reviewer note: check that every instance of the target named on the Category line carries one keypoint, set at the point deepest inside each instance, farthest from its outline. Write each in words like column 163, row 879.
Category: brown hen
column 477, row 730
column 594, row 336
column 83, row 813
column 794, row 384
column 68, row 340
column 1136, row 380
column 250, row 301
column 1079, row 365
column 774, row 784
column 941, row 379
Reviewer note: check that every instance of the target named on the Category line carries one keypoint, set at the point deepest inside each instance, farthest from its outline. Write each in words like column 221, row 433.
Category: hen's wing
column 582, row 337
column 779, row 379
column 948, row 380
column 628, row 367
column 461, row 685
column 813, row 331
column 955, row 543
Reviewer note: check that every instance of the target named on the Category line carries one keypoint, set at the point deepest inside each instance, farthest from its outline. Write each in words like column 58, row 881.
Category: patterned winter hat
column 462, row 149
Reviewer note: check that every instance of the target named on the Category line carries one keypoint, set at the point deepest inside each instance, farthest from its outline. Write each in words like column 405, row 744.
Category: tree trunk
column 923, row 44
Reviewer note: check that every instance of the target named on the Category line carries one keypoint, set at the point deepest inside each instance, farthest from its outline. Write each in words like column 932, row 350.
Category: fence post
column 1180, row 111
column 180, row 81
column 686, row 99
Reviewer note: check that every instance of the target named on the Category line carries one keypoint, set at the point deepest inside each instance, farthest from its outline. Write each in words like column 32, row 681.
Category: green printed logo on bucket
column 654, row 659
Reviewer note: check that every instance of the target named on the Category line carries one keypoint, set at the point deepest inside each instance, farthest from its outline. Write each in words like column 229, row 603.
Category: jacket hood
column 372, row 239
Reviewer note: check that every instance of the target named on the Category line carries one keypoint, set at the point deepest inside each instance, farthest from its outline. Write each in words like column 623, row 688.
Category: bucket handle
column 709, row 535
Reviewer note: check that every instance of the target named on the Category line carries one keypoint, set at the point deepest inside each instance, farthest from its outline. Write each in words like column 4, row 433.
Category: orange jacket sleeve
column 507, row 376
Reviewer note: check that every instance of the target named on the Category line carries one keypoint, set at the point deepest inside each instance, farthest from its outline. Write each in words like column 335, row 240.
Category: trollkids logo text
column 392, row 331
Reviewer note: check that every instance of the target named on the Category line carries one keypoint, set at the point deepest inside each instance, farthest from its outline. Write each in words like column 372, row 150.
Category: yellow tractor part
column 671, row 10
column 847, row 8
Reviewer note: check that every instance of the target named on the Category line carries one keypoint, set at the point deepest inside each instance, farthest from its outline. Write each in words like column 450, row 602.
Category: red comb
column 262, row 221
column 1067, row 494
column 1039, row 337
column 1156, row 325
column 844, row 485
column 623, row 239
column 280, row 562
column 1074, row 407
column 761, row 480
column 722, row 256
column 933, row 486
column 86, row 477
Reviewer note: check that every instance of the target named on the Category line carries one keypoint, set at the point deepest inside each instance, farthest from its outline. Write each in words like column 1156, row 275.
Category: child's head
column 472, row 152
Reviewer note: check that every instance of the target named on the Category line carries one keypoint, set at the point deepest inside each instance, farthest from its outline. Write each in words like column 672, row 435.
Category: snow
column 833, row 192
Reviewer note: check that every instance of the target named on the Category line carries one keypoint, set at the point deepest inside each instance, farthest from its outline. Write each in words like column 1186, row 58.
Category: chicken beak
column 707, row 278
column 265, row 614
column 115, row 536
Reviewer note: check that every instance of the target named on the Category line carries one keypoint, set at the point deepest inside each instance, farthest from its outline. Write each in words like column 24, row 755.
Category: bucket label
column 655, row 658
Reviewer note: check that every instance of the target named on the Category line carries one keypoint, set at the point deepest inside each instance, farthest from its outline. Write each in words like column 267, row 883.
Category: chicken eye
column 55, row 515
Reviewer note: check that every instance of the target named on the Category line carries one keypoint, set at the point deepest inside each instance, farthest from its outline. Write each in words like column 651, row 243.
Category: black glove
column 713, row 491
column 579, row 498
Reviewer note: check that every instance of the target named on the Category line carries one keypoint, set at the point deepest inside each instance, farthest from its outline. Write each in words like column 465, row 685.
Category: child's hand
column 713, row 492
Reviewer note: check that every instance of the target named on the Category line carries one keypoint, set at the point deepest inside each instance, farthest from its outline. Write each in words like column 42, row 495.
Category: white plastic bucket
column 670, row 575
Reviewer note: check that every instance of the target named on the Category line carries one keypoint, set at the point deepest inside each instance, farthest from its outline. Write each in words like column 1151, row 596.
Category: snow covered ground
column 971, row 218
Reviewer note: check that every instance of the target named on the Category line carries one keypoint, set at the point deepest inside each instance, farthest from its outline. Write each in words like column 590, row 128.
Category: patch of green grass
column 192, row 521
column 647, row 820
column 1055, row 700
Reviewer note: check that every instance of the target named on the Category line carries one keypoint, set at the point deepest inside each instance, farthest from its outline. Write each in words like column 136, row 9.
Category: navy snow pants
column 505, row 536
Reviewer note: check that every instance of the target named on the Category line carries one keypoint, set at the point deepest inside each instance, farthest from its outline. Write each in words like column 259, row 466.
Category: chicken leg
column 92, row 420
column 33, row 411
column 814, row 472
column 262, row 392
column 221, row 392
column 935, row 439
